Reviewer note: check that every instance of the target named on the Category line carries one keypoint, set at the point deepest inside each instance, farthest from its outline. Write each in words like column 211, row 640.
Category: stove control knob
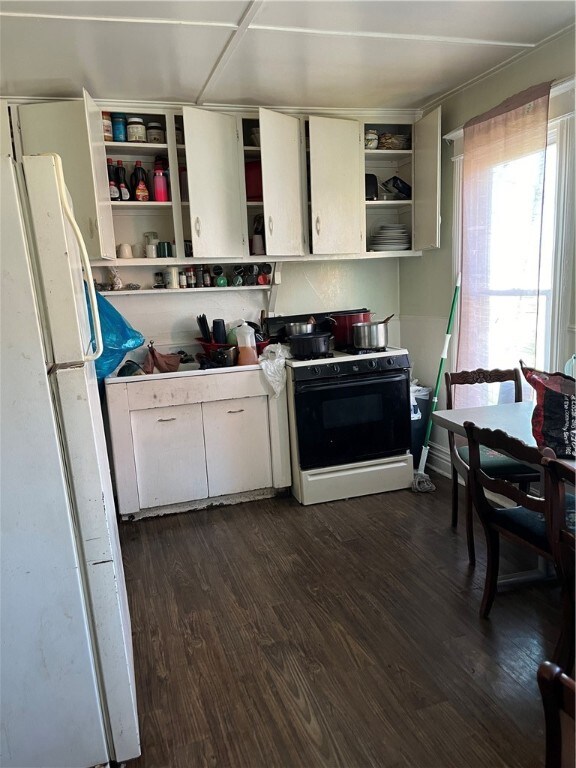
column 355, row 367
column 315, row 370
column 335, row 368
column 390, row 360
column 372, row 363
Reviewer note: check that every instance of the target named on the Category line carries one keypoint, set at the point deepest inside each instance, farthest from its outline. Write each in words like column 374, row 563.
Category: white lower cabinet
column 181, row 442
column 169, row 454
column 237, row 439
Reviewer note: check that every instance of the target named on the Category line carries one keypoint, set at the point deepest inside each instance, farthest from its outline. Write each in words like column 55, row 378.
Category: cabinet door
column 217, row 212
column 237, row 440
column 336, row 191
column 104, row 223
column 283, row 184
column 169, row 455
column 426, row 143
column 64, row 128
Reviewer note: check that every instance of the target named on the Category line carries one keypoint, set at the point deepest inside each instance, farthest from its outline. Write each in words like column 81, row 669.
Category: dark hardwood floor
column 344, row 634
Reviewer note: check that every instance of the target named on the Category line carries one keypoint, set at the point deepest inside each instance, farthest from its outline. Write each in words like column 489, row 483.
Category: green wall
column 426, row 283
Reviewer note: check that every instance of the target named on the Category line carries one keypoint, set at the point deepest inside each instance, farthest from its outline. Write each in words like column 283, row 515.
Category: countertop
column 183, row 371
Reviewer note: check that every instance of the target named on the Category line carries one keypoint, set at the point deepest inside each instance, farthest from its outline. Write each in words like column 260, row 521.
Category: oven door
column 343, row 421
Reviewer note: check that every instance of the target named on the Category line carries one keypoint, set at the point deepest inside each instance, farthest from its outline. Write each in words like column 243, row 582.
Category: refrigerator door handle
column 85, row 260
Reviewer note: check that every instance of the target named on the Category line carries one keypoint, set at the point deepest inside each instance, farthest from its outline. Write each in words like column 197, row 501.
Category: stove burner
column 365, row 351
column 323, row 356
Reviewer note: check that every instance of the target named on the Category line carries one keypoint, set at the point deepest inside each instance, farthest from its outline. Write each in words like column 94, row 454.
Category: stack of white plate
column 390, row 237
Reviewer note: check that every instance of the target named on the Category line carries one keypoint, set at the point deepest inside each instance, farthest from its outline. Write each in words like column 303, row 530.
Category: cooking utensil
column 343, row 322
column 372, row 335
column 386, row 319
column 204, row 327
column 310, row 345
column 293, row 329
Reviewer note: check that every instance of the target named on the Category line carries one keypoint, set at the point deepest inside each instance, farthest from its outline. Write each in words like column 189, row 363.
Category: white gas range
column 349, row 418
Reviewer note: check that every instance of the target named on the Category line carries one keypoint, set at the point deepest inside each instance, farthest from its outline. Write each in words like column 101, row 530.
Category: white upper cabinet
column 426, row 193
column 217, row 199
column 73, row 130
column 283, row 183
column 336, row 190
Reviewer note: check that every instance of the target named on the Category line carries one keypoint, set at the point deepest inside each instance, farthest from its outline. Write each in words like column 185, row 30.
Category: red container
column 211, row 347
column 253, row 171
column 342, row 326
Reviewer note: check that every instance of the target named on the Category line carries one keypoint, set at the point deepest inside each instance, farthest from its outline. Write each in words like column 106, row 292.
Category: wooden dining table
column 513, row 418
column 516, row 420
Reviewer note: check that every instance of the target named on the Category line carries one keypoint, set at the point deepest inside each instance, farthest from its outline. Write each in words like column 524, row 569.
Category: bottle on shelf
column 160, row 187
column 121, row 182
column 139, row 183
column 113, row 187
column 119, row 127
column 206, row 277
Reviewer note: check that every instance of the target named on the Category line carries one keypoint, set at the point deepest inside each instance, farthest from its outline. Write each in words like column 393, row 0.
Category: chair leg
column 470, row 527
column 564, row 651
column 492, row 567
column 454, row 498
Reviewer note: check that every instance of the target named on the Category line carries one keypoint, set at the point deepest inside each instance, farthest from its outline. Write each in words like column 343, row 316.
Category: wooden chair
column 524, row 524
column 558, row 692
column 496, row 464
column 562, row 536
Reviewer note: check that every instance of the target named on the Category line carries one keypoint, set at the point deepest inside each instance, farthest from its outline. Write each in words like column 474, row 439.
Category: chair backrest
column 558, row 692
column 483, row 376
column 480, row 482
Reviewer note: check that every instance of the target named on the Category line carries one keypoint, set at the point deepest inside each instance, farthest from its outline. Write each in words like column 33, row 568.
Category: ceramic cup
column 124, row 251
column 151, row 251
column 138, row 250
column 171, row 277
column 258, row 245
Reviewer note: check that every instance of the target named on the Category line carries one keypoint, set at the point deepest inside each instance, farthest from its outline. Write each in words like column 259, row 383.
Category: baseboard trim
column 439, row 460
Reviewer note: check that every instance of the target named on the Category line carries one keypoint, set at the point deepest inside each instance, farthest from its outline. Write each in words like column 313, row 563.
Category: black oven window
column 354, row 411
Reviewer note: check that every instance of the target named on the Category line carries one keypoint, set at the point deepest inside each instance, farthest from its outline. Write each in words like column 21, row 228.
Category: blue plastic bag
column 117, row 334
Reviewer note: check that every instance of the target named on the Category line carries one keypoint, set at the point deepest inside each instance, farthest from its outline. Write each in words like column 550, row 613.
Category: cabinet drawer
column 237, row 439
column 169, row 455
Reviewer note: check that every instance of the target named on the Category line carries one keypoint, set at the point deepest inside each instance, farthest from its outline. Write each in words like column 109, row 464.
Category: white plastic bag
column 273, row 364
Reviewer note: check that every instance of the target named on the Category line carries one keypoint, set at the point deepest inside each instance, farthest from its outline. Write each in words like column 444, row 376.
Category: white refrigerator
column 67, row 692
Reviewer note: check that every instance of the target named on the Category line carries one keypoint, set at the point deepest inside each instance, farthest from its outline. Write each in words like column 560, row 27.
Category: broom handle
column 443, row 358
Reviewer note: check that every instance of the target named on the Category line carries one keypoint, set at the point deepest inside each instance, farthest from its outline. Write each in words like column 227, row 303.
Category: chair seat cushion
column 530, row 525
column 522, row 522
column 496, row 464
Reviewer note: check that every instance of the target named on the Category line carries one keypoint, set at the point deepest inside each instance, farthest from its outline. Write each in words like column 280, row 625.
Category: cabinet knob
column 317, row 225
column 197, row 226
column 270, row 224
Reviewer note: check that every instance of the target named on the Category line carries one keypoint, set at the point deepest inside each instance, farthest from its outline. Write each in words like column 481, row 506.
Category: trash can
column 421, row 404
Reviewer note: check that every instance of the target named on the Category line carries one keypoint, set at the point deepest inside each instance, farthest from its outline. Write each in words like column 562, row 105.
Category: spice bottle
column 206, row 279
column 121, row 182
column 190, row 278
column 138, row 182
column 107, row 126
column 114, row 191
column 182, row 279
column 199, row 277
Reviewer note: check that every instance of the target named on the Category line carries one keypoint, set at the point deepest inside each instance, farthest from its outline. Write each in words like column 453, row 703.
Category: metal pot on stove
column 310, row 345
column 371, row 335
column 342, row 323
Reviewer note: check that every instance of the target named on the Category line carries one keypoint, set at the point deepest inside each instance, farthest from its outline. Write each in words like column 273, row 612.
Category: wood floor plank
column 340, row 635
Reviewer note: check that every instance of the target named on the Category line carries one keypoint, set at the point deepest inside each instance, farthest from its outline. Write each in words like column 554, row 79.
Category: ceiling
column 402, row 54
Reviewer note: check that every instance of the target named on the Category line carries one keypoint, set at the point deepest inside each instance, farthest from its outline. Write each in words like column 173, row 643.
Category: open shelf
column 134, row 148
column 384, row 203
column 139, row 204
column 170, row 291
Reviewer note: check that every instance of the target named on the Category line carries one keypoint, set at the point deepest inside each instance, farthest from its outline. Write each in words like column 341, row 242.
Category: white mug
column 151, row 251
column 124, row 251
column 171, row 277
column 258, row 245
column 138, row 250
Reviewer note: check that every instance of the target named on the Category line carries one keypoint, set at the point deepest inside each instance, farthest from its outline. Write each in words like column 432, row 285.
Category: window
column 523, row 263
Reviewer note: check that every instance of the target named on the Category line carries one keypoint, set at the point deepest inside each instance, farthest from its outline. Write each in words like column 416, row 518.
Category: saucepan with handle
column 371, row 335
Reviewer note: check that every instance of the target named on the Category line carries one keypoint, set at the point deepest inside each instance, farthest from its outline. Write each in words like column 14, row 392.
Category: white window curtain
column 503, row 306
